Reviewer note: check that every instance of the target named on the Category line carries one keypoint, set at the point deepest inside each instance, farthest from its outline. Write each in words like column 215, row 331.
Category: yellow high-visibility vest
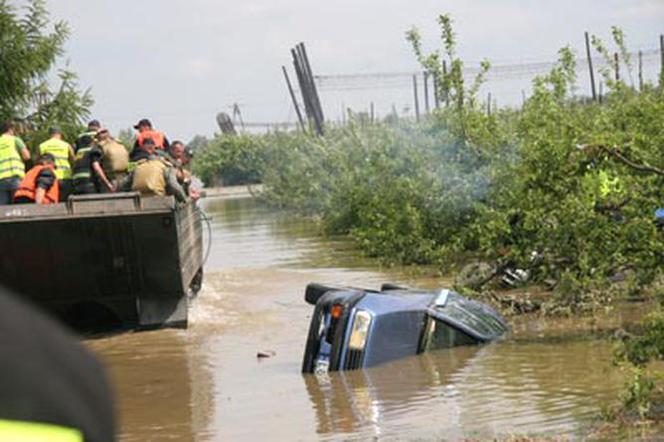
column 11, row 164
column 15, row 431
column 60, row 150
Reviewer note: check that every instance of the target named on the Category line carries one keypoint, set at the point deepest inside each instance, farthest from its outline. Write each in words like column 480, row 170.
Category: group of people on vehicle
column 97, row 163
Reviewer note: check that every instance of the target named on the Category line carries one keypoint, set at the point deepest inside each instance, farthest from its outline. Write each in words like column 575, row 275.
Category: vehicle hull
column 120, row 258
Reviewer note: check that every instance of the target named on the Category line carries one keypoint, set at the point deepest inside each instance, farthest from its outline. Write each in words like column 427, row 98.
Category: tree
column 30, row 47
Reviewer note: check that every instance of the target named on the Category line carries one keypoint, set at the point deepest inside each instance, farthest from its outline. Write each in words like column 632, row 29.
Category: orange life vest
column 28, row 187
column 156, row 136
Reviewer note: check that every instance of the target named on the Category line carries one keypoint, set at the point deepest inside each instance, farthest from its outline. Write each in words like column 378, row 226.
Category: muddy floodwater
column 206, row 383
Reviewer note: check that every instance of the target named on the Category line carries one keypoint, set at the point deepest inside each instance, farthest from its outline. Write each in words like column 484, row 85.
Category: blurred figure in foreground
column 51, row 387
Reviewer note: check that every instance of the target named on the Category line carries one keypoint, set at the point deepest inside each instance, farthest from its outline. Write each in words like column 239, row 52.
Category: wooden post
column 488, row 104
column 523, row 97
column 416, row 98
column 372, row 112
column 425, row 78
column 590, row 67
column 600, row 91
column 292, row 95
column 616, row 65
column 640, row 71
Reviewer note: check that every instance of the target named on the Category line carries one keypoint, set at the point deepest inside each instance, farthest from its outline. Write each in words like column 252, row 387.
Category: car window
column 473, row 315
column 442, row 335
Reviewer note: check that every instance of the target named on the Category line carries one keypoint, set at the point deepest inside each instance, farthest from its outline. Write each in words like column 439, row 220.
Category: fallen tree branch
column 616, row 153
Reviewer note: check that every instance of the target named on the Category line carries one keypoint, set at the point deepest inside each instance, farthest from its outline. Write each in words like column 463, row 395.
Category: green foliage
column 127, row 137
column 30, row 49
column 229, row 160
column 463, row 185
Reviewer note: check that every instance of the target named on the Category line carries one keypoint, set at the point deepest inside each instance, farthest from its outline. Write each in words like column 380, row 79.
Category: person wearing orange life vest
column 40, row 184
column 145, row 131
column 13, row 156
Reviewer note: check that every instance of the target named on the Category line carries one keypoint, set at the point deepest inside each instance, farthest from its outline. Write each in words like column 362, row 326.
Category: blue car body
column 357, row 328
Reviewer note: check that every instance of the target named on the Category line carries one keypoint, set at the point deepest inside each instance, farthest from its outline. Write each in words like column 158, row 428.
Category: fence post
column 416, row 98
column 640, row 71
column 661, row 53
column 590, row 67
column 447, row 93
column 425, row 78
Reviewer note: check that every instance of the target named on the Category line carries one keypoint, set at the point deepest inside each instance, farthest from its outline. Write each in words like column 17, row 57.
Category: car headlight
column 360, row 330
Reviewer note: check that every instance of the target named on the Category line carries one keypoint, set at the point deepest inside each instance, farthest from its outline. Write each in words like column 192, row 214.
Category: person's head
column 149, row 146
column 143, row 125
column 84, row 141
column 46, row 160
column 94, row 126
column 177, row 150
column 55, row 132
column 8, row 127
column 103, row 134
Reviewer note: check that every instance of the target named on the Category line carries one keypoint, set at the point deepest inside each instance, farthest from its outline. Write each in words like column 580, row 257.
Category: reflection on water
column 206, row 383
column 473, row 391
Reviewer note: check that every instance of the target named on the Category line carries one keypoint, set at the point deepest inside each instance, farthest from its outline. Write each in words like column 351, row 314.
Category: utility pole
column 590, row 67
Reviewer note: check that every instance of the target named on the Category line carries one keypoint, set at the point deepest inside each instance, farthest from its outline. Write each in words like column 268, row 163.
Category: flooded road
column 206, row 383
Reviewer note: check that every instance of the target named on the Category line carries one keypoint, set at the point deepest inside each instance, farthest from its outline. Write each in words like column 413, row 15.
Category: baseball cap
column 143, row 122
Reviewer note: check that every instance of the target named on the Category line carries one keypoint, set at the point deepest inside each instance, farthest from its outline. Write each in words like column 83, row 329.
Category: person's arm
column 39, row 195
column 96, row 157
column 172, row 186
column 22, row 150
column 72, row 156
column 102, row 176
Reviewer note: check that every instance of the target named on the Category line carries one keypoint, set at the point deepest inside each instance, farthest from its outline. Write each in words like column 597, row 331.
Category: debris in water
column 265, row 354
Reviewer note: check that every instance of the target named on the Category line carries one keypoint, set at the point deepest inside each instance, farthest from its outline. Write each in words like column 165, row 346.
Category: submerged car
column 358, row 328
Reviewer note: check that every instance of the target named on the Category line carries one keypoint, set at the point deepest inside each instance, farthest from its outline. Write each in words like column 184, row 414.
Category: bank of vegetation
column 565, row 188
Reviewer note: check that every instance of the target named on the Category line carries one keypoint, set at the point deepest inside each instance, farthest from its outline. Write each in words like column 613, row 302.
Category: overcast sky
column 180, row 62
